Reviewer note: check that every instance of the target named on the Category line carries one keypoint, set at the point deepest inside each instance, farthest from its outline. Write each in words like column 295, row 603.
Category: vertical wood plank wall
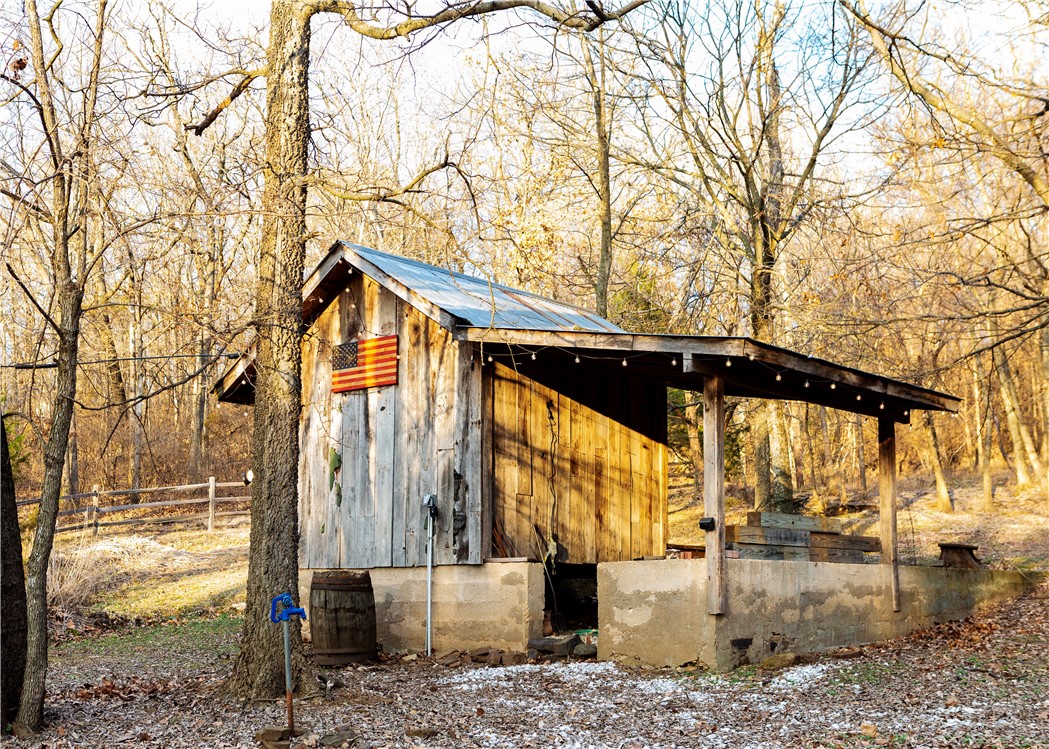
column 397, row 443
column 586, row 461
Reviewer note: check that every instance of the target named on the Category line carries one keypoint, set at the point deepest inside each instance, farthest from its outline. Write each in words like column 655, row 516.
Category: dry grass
column 166, row 574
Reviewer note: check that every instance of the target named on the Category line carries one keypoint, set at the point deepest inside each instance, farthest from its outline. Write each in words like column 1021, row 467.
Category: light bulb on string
column 673, row 362
column 881, row 406
column 728, row 362
column 624, row 362
column 533, row 356
column 833, row 385
column 806, row 383
column 779, row 377
column 859, row 397
column 577, row 359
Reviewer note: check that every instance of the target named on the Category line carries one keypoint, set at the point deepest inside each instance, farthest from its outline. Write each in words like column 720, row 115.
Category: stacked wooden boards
column 773, row 535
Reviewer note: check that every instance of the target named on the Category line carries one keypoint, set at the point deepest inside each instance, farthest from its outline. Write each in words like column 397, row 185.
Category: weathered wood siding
column 397, row 443
column 586, row 460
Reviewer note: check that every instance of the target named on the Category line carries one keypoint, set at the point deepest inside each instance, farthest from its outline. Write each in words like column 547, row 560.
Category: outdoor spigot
column 287, row 608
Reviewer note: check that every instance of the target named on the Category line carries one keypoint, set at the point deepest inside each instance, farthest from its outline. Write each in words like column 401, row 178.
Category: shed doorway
column 570, row 598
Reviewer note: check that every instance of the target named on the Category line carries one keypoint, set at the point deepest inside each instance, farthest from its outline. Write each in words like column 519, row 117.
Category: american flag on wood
column 364, row 364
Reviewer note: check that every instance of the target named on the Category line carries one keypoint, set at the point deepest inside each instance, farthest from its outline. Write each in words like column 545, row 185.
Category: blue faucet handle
column 287, row 608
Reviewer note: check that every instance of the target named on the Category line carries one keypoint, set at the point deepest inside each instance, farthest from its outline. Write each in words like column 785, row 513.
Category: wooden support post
column 211, row 503
column 94, row 510
column 887, row 496
column 714, row 489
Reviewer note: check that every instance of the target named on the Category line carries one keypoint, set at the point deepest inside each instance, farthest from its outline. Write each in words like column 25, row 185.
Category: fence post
column 94, row 509
column 211, row 503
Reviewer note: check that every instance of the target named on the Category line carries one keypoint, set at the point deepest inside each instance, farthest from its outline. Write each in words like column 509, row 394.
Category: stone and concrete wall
column 655, row 612
column 497, row 605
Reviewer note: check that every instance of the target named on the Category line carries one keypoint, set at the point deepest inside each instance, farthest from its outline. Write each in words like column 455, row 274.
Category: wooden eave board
column 237, row 383
column 748, row 367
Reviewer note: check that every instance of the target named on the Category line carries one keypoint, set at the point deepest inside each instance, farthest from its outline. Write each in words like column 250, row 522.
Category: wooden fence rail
column 93, row 510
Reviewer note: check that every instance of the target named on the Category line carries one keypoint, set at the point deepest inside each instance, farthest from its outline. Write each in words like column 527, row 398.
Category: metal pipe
column 430, row 504
column 287, row 679
column 287, row 609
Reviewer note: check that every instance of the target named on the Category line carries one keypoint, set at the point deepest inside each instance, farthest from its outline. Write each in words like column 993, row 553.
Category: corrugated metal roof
column 480, row 303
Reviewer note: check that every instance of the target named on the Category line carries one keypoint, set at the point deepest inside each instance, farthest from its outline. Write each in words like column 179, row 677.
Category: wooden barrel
column 342, row 617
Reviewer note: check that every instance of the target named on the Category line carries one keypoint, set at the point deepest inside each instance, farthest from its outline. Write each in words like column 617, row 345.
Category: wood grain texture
column 887, row 504
column 773, row 536
column 798, row 522
column 582, row 461
column 397, row 443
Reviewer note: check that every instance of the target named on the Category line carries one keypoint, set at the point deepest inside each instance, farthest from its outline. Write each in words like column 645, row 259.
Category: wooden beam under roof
column 749, row 368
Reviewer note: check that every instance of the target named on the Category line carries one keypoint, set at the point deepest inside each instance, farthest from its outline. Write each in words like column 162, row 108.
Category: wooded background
column 872, row 190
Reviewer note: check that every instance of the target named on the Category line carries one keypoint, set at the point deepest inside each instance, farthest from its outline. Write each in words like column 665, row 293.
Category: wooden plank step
column 772, row 551
column 835, row 541
column 841, row 556
column 748, row 534
column 795, row 522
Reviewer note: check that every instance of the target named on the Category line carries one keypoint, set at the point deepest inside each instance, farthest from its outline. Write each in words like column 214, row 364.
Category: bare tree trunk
column 31, row 706
column 861, row 461
column 596, row 76
column 198, row 436
column 982, row 408
column 72, row 461
column 1045, row 405
column 782, row 476
column 273, row 552
column 693, row 415
column 833, row 481
column 12, row 589
column 1012, row 417
column 70, row 181
column 944, row 502
column 138, row 406
column 811, row 451
column 761, row 451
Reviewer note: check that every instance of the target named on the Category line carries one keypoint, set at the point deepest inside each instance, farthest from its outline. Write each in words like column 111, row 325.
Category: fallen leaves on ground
column 979, row 683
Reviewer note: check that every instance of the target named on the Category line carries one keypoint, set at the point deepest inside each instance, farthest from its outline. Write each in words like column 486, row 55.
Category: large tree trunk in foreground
column 12, row 591
column 273, row 556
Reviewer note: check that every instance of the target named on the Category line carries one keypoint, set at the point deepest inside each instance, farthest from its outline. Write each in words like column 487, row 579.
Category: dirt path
column 982, row 683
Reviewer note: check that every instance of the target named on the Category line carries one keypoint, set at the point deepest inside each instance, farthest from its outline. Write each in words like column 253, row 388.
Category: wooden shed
column 521, row 443
column 535, row 423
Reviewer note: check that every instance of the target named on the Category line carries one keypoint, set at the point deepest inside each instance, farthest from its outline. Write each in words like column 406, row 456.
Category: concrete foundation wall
column 647, row 612
column 497, row 605
column 655, row 612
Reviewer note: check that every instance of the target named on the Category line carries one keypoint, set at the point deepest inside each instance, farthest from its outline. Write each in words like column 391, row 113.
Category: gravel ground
column 981, row 683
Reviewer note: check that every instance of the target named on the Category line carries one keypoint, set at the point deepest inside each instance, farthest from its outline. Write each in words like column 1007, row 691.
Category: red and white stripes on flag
column 364, row 364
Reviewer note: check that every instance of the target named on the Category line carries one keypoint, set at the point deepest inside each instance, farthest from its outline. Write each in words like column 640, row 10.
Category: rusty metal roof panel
column 480, row 303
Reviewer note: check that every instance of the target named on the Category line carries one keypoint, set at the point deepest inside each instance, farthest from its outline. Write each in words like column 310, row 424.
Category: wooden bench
column 960, row 555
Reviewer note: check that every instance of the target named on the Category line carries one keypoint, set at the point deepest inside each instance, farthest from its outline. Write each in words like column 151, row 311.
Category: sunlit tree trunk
column 274, row 544
column 982, row 409
column 944, row 502
column 861, row 460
